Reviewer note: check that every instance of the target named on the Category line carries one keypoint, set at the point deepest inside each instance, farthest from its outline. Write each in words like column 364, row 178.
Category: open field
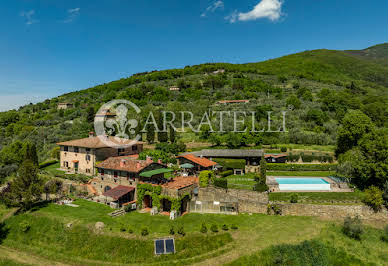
column 49, row 239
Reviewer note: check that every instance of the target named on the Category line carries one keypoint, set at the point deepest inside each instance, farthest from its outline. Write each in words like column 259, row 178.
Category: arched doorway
column 107, row 188
column 147, row 201
column 184, row 204
column 166, row 205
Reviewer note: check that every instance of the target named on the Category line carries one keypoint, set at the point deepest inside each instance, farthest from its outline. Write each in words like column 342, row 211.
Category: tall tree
column 172, row 135
column 162, row 135
column 354, row 126
column 29, row 151
column 263, row 168
column 27, row 187
column 150, row 133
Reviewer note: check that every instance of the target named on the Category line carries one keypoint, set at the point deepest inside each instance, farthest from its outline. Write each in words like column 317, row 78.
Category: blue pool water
column 301, row 181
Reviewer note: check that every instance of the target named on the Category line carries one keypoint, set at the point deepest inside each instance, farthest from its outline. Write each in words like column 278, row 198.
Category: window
column 88, row 171
column 65, row 148
column 134, row 147
column 87, row 157
column 115, row 174
column 164, row 246
column 76, row 149
column 87, row 149
column 102, row 171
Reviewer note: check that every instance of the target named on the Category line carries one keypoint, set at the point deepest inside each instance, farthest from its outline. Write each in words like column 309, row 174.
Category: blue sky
column 49, row 47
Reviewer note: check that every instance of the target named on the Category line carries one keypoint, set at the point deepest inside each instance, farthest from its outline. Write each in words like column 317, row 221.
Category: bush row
column 301, row 167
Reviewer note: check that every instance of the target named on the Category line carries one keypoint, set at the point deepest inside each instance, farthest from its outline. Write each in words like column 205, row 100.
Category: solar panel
column 164, row 246
column 159, row 247
column 170, row 248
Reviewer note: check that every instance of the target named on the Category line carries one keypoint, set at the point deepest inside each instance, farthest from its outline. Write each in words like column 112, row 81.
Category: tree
column 90, row 114
column 55, row 153
column 26, row 188
column 29, row 151
column 263, row 168
column 162, row 135
column 172, row 135
column 367, row 163
column 373, row 197
column 150, row 129
column 53, row 186
column 205, row 177
column 215, row 139
column 353, row 127
column 233, row 140
column 293, row 101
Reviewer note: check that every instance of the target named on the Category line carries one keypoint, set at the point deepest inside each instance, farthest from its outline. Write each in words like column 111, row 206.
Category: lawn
column 52, row 169
column 300, row 173
column 318, row 197
column 48, row 237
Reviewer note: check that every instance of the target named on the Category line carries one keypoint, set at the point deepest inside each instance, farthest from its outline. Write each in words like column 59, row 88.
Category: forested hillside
column 316, row 88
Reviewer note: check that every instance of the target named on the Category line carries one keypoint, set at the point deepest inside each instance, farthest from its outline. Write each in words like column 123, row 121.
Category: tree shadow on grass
column 3, row 232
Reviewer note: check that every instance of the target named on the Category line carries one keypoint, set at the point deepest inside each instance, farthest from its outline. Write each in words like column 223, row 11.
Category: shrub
column 128, row 208
column 260, row 187
column 144, row 231
column 214, row 228
column 220, row 182
column 130, row 230
column 203, row 228
column 172, row 230
column 225, row 227
column 373, row 197
column 47, row 163
column 226, row 173
column 234, row 226
column 122, row 228
column 353, row 227
column 283, row 149
column 205, row 177
column 181, row 231
column 301, row 167
column 294, row 198
column 24, row 226
column 385, row 235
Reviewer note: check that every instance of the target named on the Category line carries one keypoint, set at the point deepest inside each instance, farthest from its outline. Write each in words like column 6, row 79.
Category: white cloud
column 213, row 7
column 270, row 9
column 28, row 15
column 72, row 13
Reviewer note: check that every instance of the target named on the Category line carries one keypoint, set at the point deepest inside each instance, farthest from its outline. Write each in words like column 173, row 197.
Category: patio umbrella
column 186, row 166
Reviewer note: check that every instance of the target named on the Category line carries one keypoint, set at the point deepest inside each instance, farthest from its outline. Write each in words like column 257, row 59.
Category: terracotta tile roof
column 92, row 142
column 275, row 155
column 204, row 162
column 181, row 182
column 125, row 163
column 178, row 182
column 228, row 153
column 118, row 192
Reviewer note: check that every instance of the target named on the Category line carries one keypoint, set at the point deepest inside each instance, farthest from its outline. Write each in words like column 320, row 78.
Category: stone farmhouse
column 65, row 106
column 198, row 163
column 252, row 158
column 81, row 155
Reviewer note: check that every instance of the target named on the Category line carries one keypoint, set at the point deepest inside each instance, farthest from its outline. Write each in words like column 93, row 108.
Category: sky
column 50, row 47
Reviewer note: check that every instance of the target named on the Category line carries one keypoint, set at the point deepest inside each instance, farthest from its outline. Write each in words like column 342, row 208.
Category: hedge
column 220, row 182
column 47, row 163
column 301, row 167
column 226, row 173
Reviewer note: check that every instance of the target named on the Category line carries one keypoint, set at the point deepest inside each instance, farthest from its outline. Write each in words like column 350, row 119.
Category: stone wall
column 248, row 201
column 333, row 211
column 254, row 202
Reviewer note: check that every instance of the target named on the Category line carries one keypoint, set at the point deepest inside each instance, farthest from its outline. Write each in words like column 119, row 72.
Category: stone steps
column 117, row 213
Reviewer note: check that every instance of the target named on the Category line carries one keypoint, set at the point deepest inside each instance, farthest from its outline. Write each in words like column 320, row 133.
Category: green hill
column 377, row 54
column 320, row 85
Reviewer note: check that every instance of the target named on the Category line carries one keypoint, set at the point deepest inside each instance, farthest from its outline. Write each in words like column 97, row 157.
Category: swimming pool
column 301, row 184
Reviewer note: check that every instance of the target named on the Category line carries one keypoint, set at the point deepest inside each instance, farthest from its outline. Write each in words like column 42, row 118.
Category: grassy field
column 48, row 237
column 318, row 197
column 300, row 173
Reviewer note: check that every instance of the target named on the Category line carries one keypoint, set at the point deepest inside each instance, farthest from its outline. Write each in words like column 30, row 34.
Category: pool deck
column 335, row 187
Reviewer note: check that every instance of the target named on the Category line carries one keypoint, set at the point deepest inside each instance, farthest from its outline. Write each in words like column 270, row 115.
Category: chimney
column 149, row 159
column 122, row 163
column 160, row 161
column 91, row 134
column 138, row 166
